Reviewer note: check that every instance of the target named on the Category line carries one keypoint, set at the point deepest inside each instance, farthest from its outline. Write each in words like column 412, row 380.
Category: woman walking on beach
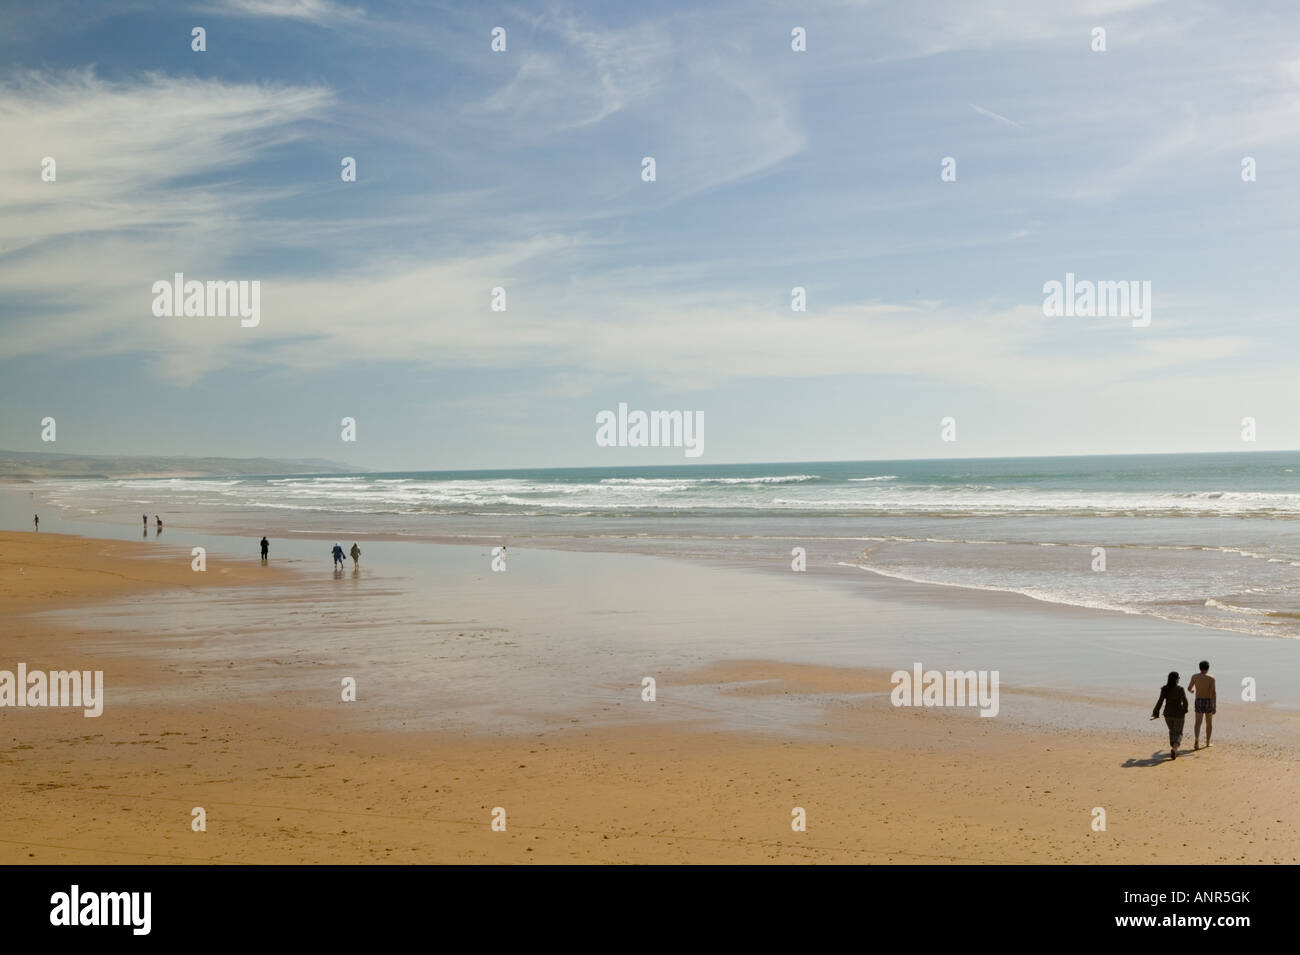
column 1174, row 699
column 356, row 556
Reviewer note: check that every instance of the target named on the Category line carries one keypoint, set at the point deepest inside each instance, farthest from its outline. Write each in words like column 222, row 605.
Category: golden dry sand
column 286, row 784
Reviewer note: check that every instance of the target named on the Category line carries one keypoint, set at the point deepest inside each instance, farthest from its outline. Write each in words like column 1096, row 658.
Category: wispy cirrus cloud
column 950, row 26
column 311, row 11
column 655, row 87
column 151, row 176
column 998, row 117
column 140, row 154
column 578, row 75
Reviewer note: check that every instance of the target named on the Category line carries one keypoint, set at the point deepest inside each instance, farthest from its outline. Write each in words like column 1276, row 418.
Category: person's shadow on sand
column 1158, row 758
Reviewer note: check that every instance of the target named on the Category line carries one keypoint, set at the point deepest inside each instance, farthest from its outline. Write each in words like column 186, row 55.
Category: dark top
column 1174, row 700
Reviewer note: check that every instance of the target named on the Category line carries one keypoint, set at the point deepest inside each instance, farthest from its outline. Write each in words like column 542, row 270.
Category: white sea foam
column 869, row 496
column 1151, row 606
column 1253, row 611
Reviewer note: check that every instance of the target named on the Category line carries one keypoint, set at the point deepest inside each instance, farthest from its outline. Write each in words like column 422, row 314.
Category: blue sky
column 522, row 169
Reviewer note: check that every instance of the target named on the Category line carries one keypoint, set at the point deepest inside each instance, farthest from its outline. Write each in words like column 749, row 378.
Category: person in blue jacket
column 338, row 554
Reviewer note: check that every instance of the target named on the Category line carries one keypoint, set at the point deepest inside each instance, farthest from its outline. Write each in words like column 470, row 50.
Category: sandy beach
column 288, row 778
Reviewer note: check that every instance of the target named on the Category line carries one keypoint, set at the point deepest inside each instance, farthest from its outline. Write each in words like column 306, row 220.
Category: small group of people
column 145, row 518
column 355, row 552
column 338, row 554
column 1174, row 700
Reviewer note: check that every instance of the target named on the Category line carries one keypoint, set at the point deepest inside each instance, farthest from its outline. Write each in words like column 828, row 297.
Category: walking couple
column 1174, row 699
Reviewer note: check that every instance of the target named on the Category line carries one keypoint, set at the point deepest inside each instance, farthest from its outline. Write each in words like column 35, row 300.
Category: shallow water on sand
column 437, row 640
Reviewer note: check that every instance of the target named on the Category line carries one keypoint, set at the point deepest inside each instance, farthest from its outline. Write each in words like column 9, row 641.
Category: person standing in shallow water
column 338, row 555
column 37, row 521
column 356, row 556
column 266, row 547
column 1174, row 699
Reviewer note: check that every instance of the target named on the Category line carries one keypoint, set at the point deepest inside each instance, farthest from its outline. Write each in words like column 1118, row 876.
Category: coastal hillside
column 33, row 465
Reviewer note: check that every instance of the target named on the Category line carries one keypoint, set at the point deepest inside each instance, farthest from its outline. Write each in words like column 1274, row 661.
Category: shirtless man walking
column 1202, row 684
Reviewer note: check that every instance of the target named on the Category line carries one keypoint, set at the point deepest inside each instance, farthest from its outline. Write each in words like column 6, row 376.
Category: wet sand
column 287, row 778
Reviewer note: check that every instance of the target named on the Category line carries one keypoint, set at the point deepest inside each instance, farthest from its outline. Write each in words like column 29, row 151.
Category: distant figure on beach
column 338, row 555
column 1202, row 684
column 266, row 547
column 1174, row 700
column 145, row 518
column 37, row 521
column 356, row 562
column 158, row 519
